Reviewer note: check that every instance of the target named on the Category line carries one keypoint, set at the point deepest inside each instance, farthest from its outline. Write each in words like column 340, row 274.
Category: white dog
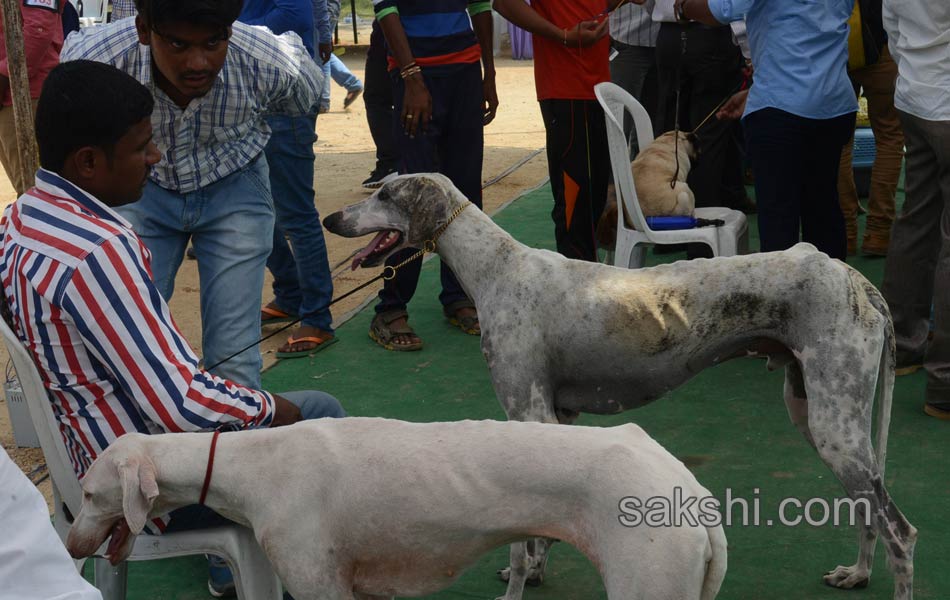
column 363, row 508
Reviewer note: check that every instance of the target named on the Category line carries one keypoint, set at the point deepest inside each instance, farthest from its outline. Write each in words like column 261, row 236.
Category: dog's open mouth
column 118, row 540
column 378, row 249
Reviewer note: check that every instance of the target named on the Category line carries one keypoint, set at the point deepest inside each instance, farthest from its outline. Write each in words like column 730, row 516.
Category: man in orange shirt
column 42, row 41
column 571, row 57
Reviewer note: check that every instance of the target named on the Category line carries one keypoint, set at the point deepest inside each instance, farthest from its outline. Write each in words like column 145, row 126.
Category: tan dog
column 656, row 166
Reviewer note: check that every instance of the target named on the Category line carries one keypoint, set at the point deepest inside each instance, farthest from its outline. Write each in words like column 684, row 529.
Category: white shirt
column 918, row 34
column 34, row 564
column 664, row 11
column 631, row 24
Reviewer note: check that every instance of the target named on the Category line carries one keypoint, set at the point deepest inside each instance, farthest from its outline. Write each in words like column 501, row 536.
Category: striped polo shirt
column 77, row 280
column 439, row 31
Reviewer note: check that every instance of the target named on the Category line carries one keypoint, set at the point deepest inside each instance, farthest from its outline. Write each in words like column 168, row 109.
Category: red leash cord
column 206, row 484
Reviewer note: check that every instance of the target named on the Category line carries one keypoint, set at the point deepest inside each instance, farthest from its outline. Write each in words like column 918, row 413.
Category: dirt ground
column 345, row 155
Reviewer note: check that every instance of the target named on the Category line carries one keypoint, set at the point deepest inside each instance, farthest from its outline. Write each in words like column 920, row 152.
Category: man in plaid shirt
column 213, row 81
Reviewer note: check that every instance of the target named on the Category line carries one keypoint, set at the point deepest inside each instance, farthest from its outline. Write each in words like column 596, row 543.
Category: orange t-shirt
column 569, row 73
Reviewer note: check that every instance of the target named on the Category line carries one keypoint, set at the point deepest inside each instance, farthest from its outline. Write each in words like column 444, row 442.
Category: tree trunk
column 19, row 85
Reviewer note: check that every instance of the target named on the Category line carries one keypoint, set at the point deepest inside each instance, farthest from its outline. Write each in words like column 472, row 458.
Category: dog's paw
column 847, row 578
column 535, row 577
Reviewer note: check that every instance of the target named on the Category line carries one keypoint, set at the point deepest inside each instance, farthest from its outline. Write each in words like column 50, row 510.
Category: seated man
column 78, row 284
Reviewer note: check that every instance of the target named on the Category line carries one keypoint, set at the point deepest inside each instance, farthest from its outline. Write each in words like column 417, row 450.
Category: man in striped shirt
column 213, row 81
column 78, row 286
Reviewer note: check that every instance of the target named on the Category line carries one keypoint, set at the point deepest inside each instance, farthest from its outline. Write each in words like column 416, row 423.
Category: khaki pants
column 878, row 81
column 917, row 271
column 10, row 151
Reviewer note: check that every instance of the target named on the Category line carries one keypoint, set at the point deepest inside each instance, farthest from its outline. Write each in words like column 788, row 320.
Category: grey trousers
column 917, row 272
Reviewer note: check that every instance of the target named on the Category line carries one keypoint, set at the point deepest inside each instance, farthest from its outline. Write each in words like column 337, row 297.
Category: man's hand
column 734, row 107
column 416, row 106
column 325, row 50
column 285, row 412
column 490, row 97
column 587, row 33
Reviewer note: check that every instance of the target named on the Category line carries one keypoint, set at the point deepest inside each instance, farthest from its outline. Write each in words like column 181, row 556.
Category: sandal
column 468, row 324
column 271, row 315
column 320, row 344
column 383, row 334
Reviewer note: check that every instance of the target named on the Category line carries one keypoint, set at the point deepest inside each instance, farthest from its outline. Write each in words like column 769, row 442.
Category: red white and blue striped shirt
column 79, row 286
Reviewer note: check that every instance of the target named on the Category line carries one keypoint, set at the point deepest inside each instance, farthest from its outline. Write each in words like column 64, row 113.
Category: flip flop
column 321, row 343
column 273, row 316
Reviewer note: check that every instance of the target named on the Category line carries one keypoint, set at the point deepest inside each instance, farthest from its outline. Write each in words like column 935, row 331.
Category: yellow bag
column 856, row 58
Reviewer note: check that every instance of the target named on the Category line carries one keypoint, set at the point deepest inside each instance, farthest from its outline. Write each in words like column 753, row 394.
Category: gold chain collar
column 389, row 272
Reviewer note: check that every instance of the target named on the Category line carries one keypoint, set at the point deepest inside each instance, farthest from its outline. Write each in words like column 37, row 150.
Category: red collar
column 204, row 487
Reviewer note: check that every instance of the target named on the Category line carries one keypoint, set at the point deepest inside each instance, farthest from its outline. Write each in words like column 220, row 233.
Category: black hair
column 218, row 14
column 86, row 103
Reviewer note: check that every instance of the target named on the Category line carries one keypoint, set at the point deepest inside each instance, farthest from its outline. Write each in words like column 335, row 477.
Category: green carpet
column 729, row 425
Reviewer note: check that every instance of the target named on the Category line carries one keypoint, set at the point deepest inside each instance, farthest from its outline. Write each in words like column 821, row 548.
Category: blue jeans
column 335, row 69
column 230, row 223
column 302, row 282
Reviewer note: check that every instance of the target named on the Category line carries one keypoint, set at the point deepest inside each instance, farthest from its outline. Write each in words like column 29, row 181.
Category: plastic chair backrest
column 616, row 103
column 45, row 423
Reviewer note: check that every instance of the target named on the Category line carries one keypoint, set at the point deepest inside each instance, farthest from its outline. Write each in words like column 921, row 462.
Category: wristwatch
column 679, row 10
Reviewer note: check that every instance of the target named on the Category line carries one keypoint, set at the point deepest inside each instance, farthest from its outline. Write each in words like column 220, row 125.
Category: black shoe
column 907, row 363
column 378, row 177
column 938, row 410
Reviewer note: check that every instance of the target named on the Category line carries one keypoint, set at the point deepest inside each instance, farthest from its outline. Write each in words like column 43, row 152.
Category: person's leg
column 915, row 243
column 878, row 85
column 233, row 236
column 461, row 151
column 822, row 221
column 378, row 98
column 314, row 404
column 713, row 68
column 308, row 289
column 848, row 196
column 579, row 184
column 162, row 219
column 343, row 76
column 669, row 57
column 937, row 359
column 418, row 155
column 629, row 70
column 776, row 150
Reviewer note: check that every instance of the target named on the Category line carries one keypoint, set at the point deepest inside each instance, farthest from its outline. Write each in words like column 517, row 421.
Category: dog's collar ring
column 429, row 246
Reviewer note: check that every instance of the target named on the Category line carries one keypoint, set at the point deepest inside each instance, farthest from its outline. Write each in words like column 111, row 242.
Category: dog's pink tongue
column 120, row 533
column 369, row 249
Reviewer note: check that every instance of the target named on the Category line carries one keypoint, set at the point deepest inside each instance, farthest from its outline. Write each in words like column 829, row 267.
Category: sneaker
column 875, row 245
column 351, row 97
column 220, row 578
column 378, row 177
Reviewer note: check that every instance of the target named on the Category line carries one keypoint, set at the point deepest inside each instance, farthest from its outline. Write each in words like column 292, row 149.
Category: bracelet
column 410, row 71
column 407, row 67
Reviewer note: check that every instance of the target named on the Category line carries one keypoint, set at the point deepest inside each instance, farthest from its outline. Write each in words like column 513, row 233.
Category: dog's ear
column 139, row 490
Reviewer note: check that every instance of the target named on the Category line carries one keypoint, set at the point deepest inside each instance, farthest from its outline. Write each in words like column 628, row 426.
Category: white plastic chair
column 253, row 575
column 727, row 240
column 94, row 12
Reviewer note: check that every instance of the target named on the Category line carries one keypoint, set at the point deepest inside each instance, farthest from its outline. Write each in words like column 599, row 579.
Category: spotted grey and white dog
column 564, row 336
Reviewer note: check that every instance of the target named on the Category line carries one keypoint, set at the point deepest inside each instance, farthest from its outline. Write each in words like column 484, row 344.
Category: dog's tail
column 885, row 372
column 716, row 567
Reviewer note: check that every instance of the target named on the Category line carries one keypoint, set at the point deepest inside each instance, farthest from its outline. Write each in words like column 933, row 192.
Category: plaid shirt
column 122, row 9
column 77, row 281
column 224, row 130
